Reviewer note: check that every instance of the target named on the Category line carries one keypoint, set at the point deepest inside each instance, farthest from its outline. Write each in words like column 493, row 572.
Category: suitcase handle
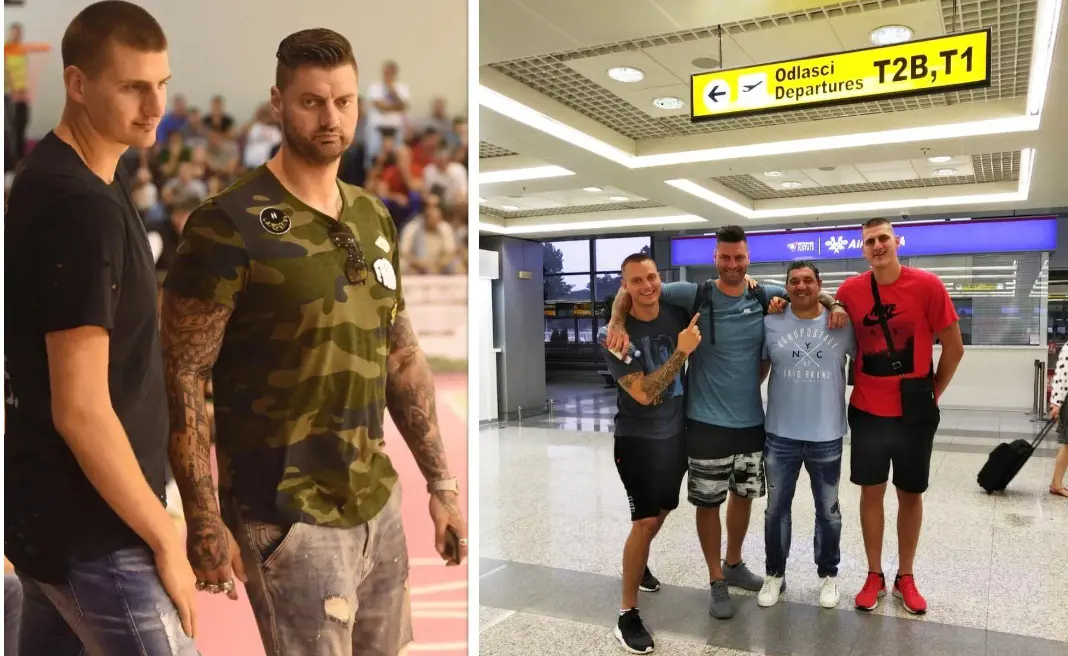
column 1043, row 433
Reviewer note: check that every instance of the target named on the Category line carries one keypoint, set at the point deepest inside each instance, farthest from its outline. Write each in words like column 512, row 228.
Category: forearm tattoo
column 192, row 333
column 620, row 308
column 653, row 385
column 411, row 401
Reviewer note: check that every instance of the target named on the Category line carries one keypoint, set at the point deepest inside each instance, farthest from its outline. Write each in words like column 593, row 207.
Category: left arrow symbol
column 714, row 93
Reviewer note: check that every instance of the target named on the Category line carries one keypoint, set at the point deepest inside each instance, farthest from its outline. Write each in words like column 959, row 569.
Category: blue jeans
column 783, row 458
column 114, row 604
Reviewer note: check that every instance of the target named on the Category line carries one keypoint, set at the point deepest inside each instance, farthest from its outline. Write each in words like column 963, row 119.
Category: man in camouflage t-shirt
column 285, row 292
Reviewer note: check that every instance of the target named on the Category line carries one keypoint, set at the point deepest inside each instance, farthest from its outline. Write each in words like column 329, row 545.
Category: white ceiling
column 640, row 169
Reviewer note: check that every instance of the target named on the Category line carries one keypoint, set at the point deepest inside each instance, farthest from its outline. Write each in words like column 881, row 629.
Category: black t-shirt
column 221, row 123
column 654, row 341
column 75, row 254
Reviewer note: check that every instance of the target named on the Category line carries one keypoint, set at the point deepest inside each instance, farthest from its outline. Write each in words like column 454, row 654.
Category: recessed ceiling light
column 827, row 168
column 945, row 171
column 618, row 199
column 791, row 184
column 509, row 208
column 626, row 74
column 592, row 190
column 774, row 174
column 890, row 34
column 940, row 159
column 668, row 103
column 705, row 63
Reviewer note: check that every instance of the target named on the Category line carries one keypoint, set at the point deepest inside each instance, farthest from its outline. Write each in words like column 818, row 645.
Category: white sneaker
column 770, row 591
column 829, row 592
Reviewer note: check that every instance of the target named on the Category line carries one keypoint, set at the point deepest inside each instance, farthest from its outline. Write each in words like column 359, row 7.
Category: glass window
column 571, row 256
column 606, row 285
column 585, row 331
column 560, row 331
column 610, row 253
column 567, row 288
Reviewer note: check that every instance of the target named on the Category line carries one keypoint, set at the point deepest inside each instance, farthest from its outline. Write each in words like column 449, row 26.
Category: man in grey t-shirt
column 805, row 423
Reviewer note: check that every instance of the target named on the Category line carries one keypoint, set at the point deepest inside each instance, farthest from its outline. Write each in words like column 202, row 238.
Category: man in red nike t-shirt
column 917, row 309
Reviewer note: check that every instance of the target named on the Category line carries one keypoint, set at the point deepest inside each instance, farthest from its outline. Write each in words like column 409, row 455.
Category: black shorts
column 651, row 471
column 722, row 459
column 877, row 442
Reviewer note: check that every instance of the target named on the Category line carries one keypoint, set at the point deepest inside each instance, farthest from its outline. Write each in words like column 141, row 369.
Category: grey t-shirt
column 806, row 391
column 655, row 341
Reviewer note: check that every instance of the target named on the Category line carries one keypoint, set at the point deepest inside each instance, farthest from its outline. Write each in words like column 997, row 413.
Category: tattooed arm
column 410, row 399
column 192, row 333
column 647, row 388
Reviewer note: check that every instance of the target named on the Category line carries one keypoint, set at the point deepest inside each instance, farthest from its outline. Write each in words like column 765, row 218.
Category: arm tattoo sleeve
column 653, row 385
column 410, row 399
column 192, row 332
column 620, row 307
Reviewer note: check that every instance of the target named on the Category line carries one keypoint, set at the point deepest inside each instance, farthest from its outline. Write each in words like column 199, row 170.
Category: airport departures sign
column 937, row 65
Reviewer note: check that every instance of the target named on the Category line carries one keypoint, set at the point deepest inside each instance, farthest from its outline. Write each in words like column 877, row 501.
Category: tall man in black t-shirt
column 103, row 566
column 650, row 452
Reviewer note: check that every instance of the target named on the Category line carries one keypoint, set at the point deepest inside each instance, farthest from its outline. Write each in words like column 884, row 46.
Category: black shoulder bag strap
column 895, row 358
column 703, row 296
column 760, row 292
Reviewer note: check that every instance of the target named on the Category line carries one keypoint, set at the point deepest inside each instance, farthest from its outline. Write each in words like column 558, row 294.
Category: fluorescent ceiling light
column 592, row 190
column 618, row 199
column 774, row 174
column 1022, row 191
column 791, row 184
column 939, row 159
column 945, row 171
column 668, row 103
column 1047, row 18
column 519, row 112
column 509, row 208
column 515, row 175
column 890, row 34
column 626, row 74
column 590, row 225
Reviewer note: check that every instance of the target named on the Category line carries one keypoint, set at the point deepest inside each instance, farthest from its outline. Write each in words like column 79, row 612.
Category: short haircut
column 802, row 264
column 730, row 234
column 875, row 223
column 318, row 47
column 85, row 43
column 634, row 258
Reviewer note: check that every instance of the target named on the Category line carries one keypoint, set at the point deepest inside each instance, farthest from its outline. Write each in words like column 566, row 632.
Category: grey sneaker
column 742, row 577
column 722, row 608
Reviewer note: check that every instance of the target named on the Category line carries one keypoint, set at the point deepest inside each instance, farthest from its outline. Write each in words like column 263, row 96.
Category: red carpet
column 439, row 594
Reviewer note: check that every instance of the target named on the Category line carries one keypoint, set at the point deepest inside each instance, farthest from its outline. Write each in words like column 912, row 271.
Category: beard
column 312, row 151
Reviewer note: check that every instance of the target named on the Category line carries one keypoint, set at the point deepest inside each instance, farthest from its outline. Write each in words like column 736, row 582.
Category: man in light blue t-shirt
column 724, row 411
column 806, row 421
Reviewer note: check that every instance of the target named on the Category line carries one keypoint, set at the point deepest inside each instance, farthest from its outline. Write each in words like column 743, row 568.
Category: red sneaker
column 874, row 589
column 911, row 599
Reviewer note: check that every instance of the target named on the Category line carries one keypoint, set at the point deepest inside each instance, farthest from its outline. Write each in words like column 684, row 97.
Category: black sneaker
column 649, row 582
column 631, row 633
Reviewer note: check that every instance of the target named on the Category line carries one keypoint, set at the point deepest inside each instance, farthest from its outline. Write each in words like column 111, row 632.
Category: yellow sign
column 917, row 67
column 981, row 287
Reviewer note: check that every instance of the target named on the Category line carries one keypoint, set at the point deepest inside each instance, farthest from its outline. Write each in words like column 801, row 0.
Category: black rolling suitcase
column 1007, row 459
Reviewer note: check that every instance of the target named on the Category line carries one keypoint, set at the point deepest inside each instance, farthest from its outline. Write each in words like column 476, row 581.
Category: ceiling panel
column 643, row 100
column 1011, row 22
column 678, row 56
column 841, row 175
column 801, row 39
column 854, row 29
column 596, row 69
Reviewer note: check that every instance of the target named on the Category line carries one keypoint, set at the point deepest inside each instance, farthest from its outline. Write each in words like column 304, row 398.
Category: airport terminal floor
column 553, row 519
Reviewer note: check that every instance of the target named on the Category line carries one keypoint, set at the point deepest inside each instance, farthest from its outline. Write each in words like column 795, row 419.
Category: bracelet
column 444, row 485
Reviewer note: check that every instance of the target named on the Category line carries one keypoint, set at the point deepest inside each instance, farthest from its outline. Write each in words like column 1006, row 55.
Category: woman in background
column 1056, row 400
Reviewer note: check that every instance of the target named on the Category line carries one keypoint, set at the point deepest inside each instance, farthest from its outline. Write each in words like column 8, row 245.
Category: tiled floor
column 553, row 518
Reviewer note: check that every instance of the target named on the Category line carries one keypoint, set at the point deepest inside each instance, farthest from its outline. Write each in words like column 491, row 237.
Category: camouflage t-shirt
column 300, row 382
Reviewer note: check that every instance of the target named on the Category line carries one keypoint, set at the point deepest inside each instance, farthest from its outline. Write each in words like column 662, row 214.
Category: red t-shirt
column 918, row 307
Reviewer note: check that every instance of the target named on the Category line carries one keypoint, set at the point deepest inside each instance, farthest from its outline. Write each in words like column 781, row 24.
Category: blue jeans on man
column 783, row 459
column 111, row 604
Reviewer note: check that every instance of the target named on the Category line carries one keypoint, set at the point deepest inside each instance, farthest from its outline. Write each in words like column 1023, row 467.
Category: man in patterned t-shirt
column 285, row 292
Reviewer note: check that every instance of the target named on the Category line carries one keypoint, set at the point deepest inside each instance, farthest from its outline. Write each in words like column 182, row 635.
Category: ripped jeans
column 111, row 605
column 319, row 591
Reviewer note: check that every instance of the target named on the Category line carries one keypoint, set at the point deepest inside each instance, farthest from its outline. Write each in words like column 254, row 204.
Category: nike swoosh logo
column 872, row 320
